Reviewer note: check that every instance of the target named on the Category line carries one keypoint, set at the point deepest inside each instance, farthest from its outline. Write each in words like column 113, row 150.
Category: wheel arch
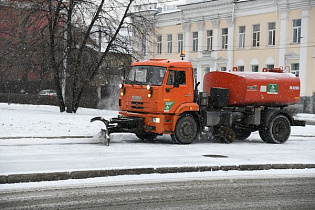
column 189, row 109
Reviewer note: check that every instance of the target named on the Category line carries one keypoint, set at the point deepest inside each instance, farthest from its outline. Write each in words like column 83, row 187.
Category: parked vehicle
column 47, row 92
column 159, row 97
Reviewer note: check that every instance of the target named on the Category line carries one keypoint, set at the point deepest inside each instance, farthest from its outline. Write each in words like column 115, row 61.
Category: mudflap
column 104, row 132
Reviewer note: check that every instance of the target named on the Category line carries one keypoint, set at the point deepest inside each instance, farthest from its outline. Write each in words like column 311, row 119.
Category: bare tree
column 72, row 24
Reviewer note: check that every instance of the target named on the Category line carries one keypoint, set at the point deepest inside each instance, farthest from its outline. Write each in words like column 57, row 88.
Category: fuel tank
column 255, row 88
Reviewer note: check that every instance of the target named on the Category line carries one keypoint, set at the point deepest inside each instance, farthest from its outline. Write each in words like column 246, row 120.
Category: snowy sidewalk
column 38, row 158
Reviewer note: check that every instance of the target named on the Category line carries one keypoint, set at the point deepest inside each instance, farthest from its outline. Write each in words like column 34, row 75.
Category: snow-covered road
column 31, row 154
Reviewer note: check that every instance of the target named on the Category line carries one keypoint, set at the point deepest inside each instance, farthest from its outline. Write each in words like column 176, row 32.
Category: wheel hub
column 279, row 130
column 187, row 129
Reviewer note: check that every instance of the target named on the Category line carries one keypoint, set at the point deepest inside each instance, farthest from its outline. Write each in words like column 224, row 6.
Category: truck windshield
column 146, row 75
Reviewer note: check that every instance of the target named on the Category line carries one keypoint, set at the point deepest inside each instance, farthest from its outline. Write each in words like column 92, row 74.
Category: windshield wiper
column 140, row 83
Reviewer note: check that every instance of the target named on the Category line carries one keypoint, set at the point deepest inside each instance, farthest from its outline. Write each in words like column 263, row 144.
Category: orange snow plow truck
column 160, row 96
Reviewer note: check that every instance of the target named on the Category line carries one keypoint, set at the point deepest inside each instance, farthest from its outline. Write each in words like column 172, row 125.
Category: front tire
column 277, row 131
column 186, row 130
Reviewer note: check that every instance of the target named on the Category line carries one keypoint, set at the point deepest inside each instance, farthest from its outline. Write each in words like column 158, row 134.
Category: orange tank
column 255, row 88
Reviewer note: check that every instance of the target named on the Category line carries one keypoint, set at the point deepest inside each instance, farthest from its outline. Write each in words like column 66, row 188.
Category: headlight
column 149, row 95
column 122, row 93
column 121, row 85
column 155, row 119
column 148, row 87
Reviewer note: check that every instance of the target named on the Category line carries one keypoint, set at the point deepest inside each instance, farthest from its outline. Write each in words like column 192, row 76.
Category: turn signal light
column 122, row 91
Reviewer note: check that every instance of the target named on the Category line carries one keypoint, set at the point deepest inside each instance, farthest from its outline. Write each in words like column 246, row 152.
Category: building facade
column 250, row 35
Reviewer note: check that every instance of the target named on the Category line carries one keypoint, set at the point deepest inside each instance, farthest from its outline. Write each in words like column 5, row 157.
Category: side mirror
column 176, row 84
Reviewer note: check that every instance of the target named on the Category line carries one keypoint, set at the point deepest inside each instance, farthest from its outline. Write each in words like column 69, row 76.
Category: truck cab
column 158, row 91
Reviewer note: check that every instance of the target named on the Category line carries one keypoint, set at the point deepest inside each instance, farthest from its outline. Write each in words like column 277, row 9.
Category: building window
column 270, row 66
column 169, row 43
column 195, row 41
column 296, row 36
column 256, row 35
column 295, row 68
column 240, row 68
column 224, row 38
column 207, row 69
column 254, row 68
column 223, row 68
column 241, row 37
column 159, row 44
column 209, row 40
column 180, row 42
column 272, row 33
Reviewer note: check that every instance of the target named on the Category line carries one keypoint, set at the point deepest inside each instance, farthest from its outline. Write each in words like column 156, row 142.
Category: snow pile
column 20, row 120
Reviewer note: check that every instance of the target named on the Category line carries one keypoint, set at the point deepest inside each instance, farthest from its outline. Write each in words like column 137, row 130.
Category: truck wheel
column 277, row 131
column 186, row 130
column 147, row 136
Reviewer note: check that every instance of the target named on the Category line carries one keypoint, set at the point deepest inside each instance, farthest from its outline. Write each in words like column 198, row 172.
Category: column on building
column 200, row 26
column 200, row 72
column 136, row 47
column 283, row 37
column 303, row 49
column 215, row 28
column 186, row 28
column 144, row 46
column 230, row 44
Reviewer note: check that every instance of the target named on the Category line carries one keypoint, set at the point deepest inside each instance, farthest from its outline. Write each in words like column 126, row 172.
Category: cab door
column 178, row 90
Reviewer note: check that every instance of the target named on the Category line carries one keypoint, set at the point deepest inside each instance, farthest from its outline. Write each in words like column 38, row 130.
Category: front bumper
column 154, row 123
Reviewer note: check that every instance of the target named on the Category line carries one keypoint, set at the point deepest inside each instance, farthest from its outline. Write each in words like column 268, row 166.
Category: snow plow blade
column 120, row 125
column 104, row 132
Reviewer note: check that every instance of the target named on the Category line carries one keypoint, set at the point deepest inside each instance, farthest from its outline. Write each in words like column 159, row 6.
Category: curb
column 55, row 176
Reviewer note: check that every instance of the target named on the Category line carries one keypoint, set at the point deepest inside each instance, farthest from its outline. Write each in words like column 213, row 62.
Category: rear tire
column 186, row 130
column 277, row 131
